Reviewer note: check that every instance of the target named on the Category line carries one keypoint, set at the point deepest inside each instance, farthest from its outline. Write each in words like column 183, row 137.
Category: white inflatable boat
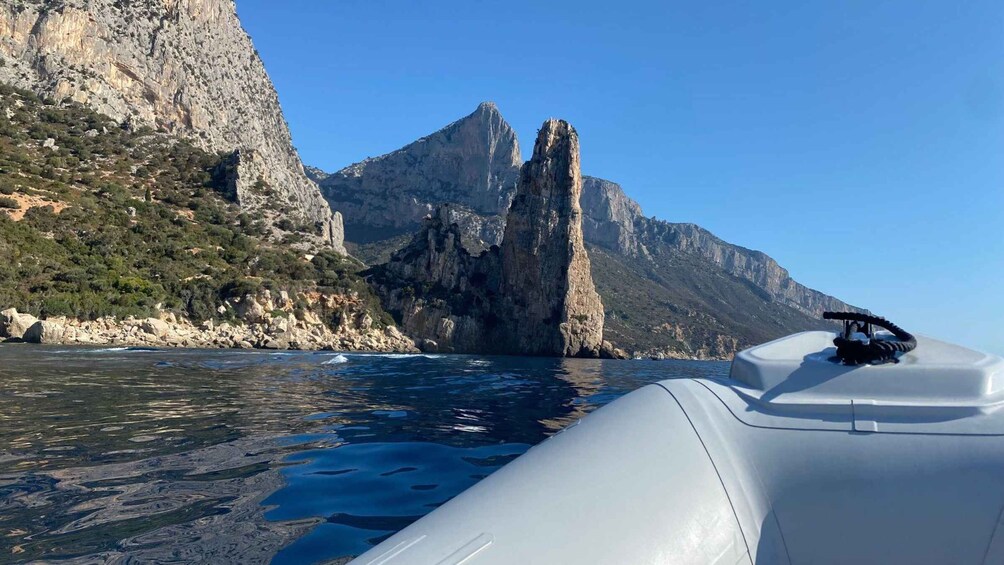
column 799, row 457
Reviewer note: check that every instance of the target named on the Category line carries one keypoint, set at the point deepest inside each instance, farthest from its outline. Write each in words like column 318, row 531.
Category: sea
column 134, row 455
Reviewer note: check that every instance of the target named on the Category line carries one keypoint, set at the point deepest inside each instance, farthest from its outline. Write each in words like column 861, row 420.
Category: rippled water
column 115, row 455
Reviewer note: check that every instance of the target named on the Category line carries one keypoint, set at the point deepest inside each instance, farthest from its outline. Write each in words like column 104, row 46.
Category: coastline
column 169, row 331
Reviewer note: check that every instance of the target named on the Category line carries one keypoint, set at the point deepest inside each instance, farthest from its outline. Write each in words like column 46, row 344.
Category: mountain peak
column 488, row 106
column 473, row 162
column 488, row 115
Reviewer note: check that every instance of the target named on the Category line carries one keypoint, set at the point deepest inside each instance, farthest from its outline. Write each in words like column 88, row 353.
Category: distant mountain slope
column 668, row 288
column 678, row 304
column 473, row 162
column 615, row 222
column 184, row 67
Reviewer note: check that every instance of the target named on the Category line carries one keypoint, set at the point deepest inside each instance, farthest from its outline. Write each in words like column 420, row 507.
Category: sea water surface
column 156, row 456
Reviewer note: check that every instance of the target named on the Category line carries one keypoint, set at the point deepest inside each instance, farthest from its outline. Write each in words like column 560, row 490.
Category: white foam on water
column 400, row 355
column 131, row 349
column 336, row 360
column 101, row 350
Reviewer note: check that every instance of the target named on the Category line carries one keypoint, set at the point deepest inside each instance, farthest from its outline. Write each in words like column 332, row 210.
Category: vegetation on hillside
column 380, row 252
column 677, row 301
column 97, row 219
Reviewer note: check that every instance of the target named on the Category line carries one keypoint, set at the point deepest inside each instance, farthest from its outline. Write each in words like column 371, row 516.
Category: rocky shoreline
column 168, row 330
column 276, row 333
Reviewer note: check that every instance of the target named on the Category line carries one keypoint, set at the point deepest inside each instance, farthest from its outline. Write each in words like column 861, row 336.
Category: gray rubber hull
column 715, row 471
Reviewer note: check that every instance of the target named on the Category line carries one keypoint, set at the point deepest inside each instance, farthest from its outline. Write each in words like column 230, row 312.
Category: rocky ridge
column 714, row 297
column 616, row 222
column 532, row 296
column 473, row 162
column 183, row 67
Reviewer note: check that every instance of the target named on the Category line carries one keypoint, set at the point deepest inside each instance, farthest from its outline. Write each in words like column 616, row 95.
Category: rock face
column 13, row 325
column 183, row 67
column 473, row 162
column 609, row 216
column 670, row 289
column 45, row 331
column 532, row 296
column 614, row 221
column 440, row 294
column 546, row 278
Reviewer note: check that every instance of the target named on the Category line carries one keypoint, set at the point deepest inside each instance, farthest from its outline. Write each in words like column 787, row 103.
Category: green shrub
column 191, row 249
column 8, row 202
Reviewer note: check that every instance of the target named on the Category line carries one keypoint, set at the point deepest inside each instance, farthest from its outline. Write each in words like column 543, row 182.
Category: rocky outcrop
column 13, row 324
column 183, row 67
column 532, row 296
column 45, row 331
column 441, row 294
column 720, row 297
column 473, row 162
column 477, row 231
column 546, row 283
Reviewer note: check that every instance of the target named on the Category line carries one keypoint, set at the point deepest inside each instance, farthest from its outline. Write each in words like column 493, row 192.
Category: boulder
column 45, row 331
column 279, row 325
column 155, row 327
column 251, row 311
column 610, row 351
column 13, row 324
column 274, row 342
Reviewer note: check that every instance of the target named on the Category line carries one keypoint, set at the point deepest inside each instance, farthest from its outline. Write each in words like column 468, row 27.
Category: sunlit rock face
column 472, row 163
column 183, row 67
column 546, row 280
column 614, row 221
column 534, row 295
column 669, row 289
column 609, row 216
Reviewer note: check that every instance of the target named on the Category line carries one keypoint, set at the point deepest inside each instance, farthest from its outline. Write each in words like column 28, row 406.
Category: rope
column 875, row 351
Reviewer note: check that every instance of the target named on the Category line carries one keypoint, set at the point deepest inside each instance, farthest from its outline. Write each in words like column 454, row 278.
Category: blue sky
column 861, row 144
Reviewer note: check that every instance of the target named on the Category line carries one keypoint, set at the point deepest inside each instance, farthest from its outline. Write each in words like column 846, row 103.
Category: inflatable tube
column 793, row 459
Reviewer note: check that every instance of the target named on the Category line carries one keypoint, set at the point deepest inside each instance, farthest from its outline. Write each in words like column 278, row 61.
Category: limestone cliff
column 609, row 216
column 670, row 289
column 614, row 221
column 546, row 281
column 439, row 293
column 183, row 67
column 473, row 162
column 532, row 296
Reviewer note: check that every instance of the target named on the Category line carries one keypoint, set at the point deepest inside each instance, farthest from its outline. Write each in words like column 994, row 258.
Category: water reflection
column 242, row 456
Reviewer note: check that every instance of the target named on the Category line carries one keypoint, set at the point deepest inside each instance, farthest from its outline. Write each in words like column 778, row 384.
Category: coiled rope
column 852, row 350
